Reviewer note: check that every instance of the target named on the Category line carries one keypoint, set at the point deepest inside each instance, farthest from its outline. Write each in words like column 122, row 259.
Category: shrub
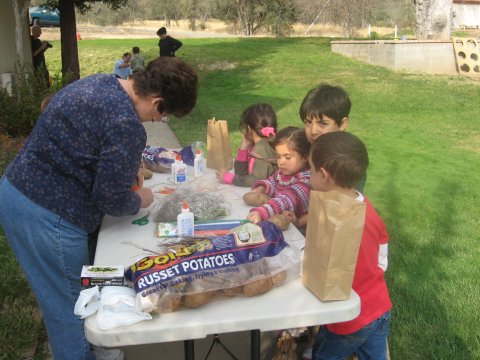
column 374, row 36
column 20, row 109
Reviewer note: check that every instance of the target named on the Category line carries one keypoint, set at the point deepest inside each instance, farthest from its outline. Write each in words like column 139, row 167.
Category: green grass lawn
column 423, row 137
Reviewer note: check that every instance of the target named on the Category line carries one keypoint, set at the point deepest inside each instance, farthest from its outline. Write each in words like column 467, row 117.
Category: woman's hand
column 146, row 196
column 254, row 216
column 139, row 179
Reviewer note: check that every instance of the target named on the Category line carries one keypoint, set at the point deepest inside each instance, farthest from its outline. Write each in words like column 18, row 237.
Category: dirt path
column 180, row 29
column 88, row 32
column 213, row 28
column 144, row 30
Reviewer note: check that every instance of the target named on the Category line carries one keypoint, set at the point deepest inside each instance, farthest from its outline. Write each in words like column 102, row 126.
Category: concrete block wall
column 432, row 57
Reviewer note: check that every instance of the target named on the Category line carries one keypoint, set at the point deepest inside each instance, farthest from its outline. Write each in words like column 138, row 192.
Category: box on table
column 103, row 275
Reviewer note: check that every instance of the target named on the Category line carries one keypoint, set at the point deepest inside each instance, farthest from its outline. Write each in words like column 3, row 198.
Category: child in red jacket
column 338, row 160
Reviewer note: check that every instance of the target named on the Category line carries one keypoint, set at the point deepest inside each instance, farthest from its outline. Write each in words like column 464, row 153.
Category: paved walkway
column 159, row 134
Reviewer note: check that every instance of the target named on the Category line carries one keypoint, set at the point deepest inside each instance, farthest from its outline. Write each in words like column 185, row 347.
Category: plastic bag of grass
column 205, row 205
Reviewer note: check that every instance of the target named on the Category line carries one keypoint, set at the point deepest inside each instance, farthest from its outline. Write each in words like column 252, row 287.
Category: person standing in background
column 38, row 54
column 167, row 44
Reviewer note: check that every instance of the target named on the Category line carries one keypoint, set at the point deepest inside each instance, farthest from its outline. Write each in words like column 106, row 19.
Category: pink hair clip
column 267, row 131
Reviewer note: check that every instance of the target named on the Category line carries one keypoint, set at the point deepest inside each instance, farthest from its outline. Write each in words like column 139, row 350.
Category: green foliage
column 374, row 36
column 85, row 5
column 21, row 107
column 281, row 15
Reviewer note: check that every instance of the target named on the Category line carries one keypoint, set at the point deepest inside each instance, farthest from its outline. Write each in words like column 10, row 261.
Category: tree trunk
column 20, row 10
column 433, row 19
column 68, row 38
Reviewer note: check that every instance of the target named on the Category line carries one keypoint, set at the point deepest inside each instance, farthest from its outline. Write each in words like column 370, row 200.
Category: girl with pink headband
column 256, row 159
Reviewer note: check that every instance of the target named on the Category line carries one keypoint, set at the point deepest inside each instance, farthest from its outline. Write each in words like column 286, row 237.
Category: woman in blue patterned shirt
column 78, row 165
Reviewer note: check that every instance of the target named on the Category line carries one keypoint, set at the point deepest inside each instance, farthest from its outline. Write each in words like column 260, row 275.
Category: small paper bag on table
column 334, row 232
column 219, row 147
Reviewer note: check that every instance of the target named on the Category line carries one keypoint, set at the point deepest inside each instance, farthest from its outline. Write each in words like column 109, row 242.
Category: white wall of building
column 466, row 15
column 14, row 41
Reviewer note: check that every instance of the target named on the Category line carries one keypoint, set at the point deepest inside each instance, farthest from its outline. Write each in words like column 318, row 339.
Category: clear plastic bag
column 249, row 261
column 204, row 204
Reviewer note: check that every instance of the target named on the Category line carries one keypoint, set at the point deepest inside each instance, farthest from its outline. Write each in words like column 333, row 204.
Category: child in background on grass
column 338, row 161
column 137, row 62
column 289, row 187
column 255, row 157
column 122, row 68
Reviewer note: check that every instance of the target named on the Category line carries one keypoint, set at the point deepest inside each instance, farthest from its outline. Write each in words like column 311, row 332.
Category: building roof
column 472, row 2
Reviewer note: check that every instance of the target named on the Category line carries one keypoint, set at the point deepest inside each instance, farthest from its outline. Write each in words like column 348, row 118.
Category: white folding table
column 288, row 306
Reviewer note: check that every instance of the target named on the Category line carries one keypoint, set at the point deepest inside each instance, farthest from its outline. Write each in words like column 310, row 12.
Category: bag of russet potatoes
column 248, row 261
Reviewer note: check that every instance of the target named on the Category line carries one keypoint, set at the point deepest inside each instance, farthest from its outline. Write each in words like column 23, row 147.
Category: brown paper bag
column 334, row 232
column 219, row 147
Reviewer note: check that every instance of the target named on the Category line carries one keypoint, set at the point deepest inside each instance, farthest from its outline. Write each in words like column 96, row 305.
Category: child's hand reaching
column 220, row 173
column 300, row 222
column 291, row 216
column 254, row 216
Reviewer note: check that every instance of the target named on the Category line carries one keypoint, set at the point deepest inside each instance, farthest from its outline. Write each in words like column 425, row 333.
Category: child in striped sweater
column 289, row 187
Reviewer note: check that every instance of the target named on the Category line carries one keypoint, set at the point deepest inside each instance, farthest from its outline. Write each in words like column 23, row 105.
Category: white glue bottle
column 180, row 172
column 198, row 164
column 185, row 222
column 177, row 160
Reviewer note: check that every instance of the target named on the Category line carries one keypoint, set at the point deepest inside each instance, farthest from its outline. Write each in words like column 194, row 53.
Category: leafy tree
column 350, row 15
column 247, row 14
column 168, row 9
column 190, row 12
column 280, row 17
column 205, row 10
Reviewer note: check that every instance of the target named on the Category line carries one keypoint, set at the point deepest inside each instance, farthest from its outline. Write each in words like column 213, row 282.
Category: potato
column 282, row 221
column 279, row 278
column 253, row 198
column 233, row 291
column 258, row 286
column 198, row 299
column 147, row 174
column 168, row 303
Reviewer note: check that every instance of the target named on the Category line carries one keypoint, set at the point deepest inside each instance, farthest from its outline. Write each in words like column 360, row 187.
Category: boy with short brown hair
column 338, row 160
